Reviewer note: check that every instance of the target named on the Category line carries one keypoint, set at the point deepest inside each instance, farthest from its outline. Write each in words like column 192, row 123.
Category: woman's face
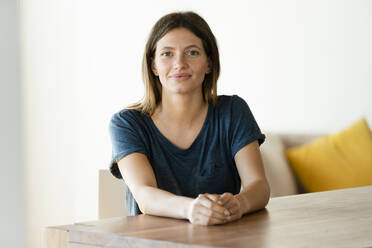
column 180, row 62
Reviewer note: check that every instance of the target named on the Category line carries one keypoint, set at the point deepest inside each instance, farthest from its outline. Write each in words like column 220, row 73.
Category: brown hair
column 198, row 26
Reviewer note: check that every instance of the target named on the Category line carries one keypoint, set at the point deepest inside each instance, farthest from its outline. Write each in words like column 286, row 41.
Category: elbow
column 256, row 196
column 264, row 194
column 142, row 207
column 142, row 198
column 267, row 192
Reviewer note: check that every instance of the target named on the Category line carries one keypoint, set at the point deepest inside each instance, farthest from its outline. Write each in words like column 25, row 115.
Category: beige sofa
column 279, row 174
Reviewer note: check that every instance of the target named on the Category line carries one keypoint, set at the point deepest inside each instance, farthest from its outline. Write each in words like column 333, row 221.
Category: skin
column 181, row 65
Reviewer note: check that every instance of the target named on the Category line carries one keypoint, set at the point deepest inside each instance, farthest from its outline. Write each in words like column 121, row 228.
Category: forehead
column 179, row 37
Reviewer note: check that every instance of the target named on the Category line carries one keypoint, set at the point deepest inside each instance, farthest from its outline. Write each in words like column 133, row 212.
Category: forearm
column 254, row 196
column 155, row 201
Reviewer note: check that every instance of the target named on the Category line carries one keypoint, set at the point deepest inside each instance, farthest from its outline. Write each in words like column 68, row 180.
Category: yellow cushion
column 342, row 160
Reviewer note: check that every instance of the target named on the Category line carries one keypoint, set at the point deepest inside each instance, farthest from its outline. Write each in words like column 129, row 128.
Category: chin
column 181, row 91
column 186, row 90
column 183, row 88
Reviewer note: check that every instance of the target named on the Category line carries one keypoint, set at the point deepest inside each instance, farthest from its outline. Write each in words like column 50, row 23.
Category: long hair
column 199, row 27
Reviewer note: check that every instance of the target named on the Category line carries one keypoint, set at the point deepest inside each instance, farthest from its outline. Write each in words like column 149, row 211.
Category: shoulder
column 226, row 99
column 127, row 117
column 230, row 103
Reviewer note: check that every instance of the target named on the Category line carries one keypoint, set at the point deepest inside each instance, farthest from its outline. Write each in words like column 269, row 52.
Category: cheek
column 202, row 69
column 162, row 71
column 161, row 68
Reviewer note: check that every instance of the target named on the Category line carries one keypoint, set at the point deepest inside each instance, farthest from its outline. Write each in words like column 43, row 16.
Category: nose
column 179, row 62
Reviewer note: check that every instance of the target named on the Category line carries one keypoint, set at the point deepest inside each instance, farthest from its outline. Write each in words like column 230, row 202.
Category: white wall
column 48, row 102
column 301, row 65
column 12, row 205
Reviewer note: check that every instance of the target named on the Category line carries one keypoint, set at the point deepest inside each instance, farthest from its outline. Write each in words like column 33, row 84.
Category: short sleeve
column 125, row 137
column 244, row 128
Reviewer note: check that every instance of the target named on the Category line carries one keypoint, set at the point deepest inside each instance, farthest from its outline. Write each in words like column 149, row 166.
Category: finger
column 204, row 201
column 231, row 203
column 234, row 209
column 205, row 220
column 224, row 198
column 210, row 213
column 212, row 197
column 215, row 221
column 208, row 217
column 234, row 217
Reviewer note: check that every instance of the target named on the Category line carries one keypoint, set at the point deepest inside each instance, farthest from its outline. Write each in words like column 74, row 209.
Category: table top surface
column 338, row 218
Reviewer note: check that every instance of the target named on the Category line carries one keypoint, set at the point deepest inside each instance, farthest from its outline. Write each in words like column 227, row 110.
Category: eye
column 166, row 54
column 193, row 52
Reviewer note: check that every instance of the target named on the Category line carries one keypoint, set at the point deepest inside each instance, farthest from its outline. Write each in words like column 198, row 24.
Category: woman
column 182, row 151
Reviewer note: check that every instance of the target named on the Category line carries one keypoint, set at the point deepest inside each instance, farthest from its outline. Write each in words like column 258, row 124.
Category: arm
column 256, row 191
column 139, row 176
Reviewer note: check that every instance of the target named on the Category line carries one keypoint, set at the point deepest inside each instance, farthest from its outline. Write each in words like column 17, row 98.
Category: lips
column 180, row 76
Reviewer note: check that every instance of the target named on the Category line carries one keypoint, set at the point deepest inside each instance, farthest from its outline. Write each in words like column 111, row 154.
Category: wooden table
column 339, row 218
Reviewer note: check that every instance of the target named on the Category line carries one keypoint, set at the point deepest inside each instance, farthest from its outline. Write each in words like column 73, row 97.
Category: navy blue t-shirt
column 207, row 166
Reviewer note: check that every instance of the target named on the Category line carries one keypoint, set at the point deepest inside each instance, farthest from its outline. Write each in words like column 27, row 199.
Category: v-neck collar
column 196, row 140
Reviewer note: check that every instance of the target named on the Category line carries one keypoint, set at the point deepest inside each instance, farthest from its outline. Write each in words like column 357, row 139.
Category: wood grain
column 339, row 218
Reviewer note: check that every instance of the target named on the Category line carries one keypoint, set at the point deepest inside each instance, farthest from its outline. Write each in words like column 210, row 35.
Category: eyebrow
column 172, row 48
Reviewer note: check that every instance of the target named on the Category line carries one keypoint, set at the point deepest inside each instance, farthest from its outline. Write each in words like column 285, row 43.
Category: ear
column 153, row 67
column 209, row 66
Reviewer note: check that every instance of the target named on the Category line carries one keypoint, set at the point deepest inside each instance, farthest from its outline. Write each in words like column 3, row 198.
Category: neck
column 181, row 109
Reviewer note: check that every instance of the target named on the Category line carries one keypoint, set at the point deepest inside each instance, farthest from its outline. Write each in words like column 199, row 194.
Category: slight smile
column 181, row 76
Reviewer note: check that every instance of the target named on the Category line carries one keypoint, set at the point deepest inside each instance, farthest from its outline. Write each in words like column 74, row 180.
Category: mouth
column 181, row 76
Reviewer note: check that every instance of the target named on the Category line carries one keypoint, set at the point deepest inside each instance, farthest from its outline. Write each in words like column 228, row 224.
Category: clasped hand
column 213, row 209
